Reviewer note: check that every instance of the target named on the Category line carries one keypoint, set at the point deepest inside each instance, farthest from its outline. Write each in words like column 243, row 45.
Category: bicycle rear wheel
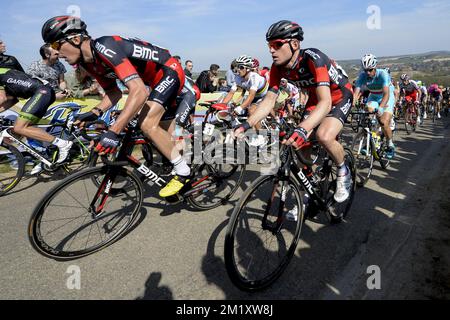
column 77, row 217
column 260, row 240
column 215, row 185
column 337, row 212
column 363, row 154
column 12, row 168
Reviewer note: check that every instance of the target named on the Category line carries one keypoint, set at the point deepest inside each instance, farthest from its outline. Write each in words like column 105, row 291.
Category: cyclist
column 436, row 97
column 410, row 90
column 16, row 84
column 252, row 82
column 136, row 63
column 330, row 95
column 381, row 98
column 293, row 100
column 423, row 98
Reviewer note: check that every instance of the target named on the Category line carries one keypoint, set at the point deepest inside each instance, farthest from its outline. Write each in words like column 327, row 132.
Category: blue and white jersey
column 375, row 84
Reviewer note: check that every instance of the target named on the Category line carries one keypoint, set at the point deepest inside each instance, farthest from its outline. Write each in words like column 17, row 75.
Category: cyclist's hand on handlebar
column 298, row 138
column 109, row 141
column 240, row 130
column 239, row 111
column 81, row 119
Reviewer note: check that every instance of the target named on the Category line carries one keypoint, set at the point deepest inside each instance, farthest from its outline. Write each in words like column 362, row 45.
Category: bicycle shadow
column 155, row 291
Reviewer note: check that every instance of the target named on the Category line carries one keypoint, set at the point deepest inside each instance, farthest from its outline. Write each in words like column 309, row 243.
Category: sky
column 217, row 31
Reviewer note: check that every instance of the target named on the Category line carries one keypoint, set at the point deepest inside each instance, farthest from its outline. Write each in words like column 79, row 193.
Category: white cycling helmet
column 404, row 77
column 369, row 61
column 245, row 61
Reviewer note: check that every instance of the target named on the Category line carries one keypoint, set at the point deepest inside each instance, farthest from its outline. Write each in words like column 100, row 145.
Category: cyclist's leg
column 332, row 126
column 33, row 111
column 251, row 110
column 161, row 99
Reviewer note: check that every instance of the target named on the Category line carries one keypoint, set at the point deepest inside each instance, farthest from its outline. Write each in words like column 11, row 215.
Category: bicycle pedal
column 173, row 200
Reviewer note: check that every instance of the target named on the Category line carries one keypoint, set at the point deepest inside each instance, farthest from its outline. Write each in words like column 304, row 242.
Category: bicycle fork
column 102, row 194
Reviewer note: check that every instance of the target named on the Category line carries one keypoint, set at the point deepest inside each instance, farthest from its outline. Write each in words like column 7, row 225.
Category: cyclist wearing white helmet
column 293, row 101
column 423, row 98
column 250, row 81
column 381, row 97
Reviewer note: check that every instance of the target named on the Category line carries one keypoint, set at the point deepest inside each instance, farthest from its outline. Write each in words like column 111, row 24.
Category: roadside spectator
column 188, row 68
column 7, row 61
column 50, row 69
column 223, row 87
column 81, row 84
column 207, row 80
column 231, row 74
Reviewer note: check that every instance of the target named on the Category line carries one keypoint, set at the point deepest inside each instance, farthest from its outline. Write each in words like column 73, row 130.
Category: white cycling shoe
column 344, row 185
column 64, row 152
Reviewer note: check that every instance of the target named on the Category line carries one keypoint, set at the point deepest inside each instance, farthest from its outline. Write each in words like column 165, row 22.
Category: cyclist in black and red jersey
column 330, row 95
column 136, row 63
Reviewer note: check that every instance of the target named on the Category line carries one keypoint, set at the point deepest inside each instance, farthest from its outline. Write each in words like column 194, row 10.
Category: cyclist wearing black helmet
column 137, row 64
column 330, row 94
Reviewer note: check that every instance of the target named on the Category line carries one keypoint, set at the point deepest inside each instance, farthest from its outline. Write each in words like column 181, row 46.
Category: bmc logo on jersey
column 165, row 84
column 102, row 49
column 145, row 53
column 313, row 55
column 304, row 83
column 334, row 75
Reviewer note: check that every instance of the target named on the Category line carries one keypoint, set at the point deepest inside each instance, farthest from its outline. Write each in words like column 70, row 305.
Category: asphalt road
column 399, row 222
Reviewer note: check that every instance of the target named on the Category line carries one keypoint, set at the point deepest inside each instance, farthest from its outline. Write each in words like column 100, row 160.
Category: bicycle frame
column 7, row 135
column 289, row 166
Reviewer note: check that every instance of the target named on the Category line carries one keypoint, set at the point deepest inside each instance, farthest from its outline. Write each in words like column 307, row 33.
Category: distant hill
column 431, row 67
column 428, row 67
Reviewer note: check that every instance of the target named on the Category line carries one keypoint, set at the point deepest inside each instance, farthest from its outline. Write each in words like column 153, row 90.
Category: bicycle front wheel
column 263, row 233
column 363, row 154
column 78, row 217
column 12, row 168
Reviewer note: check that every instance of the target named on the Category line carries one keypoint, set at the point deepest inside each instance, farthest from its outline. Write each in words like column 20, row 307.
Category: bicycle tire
column 194, row 199
column 364, row 163
column 37, row 232
column 10, row 155
column 232, row 247
column 343, row 208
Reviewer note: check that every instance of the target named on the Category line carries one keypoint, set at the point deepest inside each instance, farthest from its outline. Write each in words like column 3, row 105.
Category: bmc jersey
column 18, row 84
column 313, row 69
column 377, row 83
column 128, row 59
column 409, row 88
column 255, row 82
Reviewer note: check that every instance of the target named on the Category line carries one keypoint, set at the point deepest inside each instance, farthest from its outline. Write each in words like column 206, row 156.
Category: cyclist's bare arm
column 356, row 95
column 137, row 96
column 264, row 109
column 385, row 98
column 322, row 109
column 6, row 101
column 250, row 98
column 229, row 96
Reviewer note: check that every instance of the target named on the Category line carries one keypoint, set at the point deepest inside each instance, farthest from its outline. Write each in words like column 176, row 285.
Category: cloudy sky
column 216, row 31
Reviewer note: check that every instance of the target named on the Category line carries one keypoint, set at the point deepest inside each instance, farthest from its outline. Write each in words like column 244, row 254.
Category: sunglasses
column 57, row 44
column 277, row 44
column 242, row 67
column 368, row 70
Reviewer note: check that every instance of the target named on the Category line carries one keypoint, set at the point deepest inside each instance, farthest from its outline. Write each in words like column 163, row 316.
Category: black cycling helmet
column 284, row 29
column 59, row 27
